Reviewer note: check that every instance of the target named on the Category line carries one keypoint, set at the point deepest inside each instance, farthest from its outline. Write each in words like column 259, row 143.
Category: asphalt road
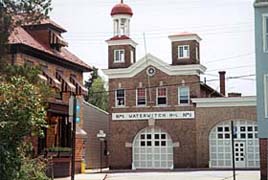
column 187, row 175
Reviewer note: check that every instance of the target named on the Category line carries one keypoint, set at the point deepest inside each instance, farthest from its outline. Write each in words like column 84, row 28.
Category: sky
column 225, row 26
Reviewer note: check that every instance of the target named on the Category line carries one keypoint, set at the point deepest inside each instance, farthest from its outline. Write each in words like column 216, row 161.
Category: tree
column 97, row 94
column 21, row 96
column 16, row 12
column 94, row 75
column 22, row 114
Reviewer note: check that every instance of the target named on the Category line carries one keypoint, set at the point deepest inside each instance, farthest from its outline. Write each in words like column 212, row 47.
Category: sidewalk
column 91, row 176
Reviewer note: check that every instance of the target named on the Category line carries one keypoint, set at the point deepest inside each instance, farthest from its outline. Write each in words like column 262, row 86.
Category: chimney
column 222, row 82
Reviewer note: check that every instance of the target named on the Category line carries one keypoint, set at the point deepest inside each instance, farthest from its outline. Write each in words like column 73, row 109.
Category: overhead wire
column 177, row 84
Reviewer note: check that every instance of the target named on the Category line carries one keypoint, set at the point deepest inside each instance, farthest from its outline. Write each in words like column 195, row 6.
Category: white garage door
column 152, row 149
column 246, row 145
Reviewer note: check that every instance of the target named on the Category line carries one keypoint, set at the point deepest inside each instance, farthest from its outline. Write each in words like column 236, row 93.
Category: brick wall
column 95, row 120
column 182, row 131
column 192, row 60
column 127, row 62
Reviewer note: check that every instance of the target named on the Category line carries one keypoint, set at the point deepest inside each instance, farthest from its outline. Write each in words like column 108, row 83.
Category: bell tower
column 121, row 48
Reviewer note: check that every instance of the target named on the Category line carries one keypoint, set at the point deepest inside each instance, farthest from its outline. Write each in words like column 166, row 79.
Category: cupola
column 121, row 48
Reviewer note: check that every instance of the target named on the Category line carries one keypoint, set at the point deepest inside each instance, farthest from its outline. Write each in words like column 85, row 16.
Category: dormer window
column 184, row 52
column 56, row 41
column 119, row 56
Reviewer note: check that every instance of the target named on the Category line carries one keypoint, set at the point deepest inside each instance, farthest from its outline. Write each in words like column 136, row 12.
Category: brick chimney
column 222, row 82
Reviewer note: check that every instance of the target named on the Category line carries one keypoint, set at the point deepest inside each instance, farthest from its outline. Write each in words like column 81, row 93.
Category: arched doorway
column 246, row 145
column 152, row 149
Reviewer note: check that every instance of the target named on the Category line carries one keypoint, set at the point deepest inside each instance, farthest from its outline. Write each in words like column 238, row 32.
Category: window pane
column 162, row 100
column 161, row 91
column 141, row 98
column 120, row 93
column 181, row 51
column 119, row 55
column 184, row 95
column 120, row 97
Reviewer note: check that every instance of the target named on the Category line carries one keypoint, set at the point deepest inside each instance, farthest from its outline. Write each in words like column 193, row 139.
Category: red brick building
column 163, row 117
column 42, row 45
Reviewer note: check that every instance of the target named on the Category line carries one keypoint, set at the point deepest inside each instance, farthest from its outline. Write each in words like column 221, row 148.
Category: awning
column 67, row 86
column 42, row 77
column 80, row 89
column 52, row 81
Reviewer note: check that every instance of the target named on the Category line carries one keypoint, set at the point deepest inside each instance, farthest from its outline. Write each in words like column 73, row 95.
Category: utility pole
column 73, row 137
column 233, row 154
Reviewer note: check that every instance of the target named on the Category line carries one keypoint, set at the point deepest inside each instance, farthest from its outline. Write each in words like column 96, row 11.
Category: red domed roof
column 121, row 8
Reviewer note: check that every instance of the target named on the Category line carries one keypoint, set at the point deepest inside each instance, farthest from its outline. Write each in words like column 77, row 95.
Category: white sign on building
column 153, row 115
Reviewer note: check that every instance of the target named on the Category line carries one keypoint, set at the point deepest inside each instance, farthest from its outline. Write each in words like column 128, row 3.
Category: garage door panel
column 245, row 141
column 152, row 149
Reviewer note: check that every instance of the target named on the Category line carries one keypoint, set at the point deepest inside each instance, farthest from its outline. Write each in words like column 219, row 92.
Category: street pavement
column 91, row 176
column 186, row 175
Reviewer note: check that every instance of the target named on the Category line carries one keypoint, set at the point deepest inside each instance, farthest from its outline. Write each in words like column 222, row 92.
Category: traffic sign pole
column 73, row 138
column 233, row 154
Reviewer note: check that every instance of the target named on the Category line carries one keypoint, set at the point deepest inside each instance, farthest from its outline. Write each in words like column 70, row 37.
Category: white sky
column 226, row 27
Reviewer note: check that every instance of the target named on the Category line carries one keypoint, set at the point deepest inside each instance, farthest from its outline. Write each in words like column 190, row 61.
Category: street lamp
column 101, row 136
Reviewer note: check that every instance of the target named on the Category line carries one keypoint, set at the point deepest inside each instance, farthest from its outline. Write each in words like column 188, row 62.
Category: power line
column 138, row 35
column 176, row 84
column 158, row 30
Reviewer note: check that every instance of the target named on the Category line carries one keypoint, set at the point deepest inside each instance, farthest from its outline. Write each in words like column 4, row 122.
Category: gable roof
column 20, row 36
column 150, row 60
column 211, row 90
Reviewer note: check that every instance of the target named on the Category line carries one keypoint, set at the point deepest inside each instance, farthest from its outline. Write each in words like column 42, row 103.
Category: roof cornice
column 121, row 42
column 186, row 37
column 225, row 101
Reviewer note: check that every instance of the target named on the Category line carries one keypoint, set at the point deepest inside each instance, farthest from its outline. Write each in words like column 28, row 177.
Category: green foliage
column 97, row 94
column 22, row 115
column 31, row 74
column 31, row 168
column 94, row 75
